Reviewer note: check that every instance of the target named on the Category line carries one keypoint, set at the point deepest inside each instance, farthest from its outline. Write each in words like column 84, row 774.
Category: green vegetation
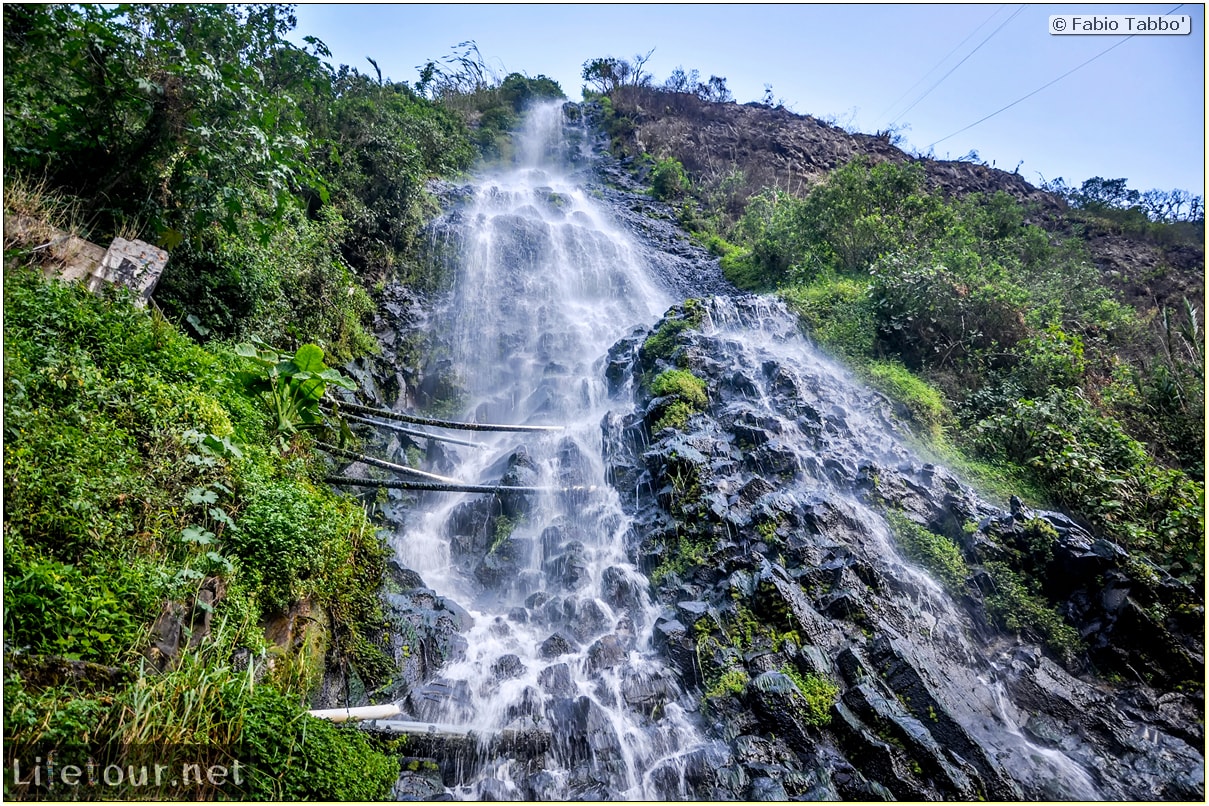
column 137, row 472
column 693, row 541
column 685, row 394
column 1013, row 357
column 1017, row 602
column 286, row 189
column 1017, row 606
column 732, row 681
column 1159, row 216
column 924, row 401
column 668, row 180
column 661, row 344
column 291, row 387
column 819, row 692
column 934, row 552
column 1089, row 464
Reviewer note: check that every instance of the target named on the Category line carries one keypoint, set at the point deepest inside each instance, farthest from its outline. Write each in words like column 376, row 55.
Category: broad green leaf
column 310, row 358
column 334, row 377
column 220, row 516
column 197, row 534
column 200, row 495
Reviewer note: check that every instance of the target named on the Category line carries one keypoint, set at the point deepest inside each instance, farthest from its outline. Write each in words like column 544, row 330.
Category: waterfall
column 793, row 469
column 561, row 628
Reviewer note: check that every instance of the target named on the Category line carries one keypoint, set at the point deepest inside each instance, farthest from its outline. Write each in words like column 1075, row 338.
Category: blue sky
column 1136, row 112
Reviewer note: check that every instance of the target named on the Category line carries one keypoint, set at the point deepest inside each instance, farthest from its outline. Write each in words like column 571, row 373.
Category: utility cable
column 411, row 432
column 1043, row 86
column 935, row 67
column 369, row 460
column 959, row 64
column 387, row 414
column 441, row 487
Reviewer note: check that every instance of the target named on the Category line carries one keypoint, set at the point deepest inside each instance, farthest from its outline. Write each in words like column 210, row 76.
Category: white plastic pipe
column 363, row 712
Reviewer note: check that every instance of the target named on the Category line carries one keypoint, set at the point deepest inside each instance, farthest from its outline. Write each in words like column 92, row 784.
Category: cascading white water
column 545, row 285
column 762, row 331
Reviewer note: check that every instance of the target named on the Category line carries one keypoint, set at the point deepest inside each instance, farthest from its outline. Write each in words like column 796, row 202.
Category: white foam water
column 545, row 285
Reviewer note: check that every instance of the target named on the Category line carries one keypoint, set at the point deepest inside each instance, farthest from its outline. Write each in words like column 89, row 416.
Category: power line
column 959, row 64
column 936, row 66
column 1043, row 86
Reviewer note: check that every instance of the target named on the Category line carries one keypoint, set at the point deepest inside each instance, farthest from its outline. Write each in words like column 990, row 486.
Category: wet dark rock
column 792, row 470
column 424, row 635
column 573, row 467
column 555, row 646
column 588, row 620
column 503, row 563
column 522, row 472
column 766, row 789
column 674, row 641
column 646, row 689
column 405, row 578
column 776, row 700
column 607, row 652
column 420, row 779
column 622, row 589
column 441, row 701
column 581, row 731
column 701, row 774
column 568, row 567
column 556, row 680
column 507, row 667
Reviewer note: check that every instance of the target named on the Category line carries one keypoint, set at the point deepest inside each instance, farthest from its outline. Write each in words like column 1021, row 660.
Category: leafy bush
column 1096, row 470
column 930, row 316
column 857, row 214
column 169, row 116
column 668, row 179
column 294, row 756
column 291, row 288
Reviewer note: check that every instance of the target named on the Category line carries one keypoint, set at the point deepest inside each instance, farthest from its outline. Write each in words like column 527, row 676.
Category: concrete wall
column 134, row 264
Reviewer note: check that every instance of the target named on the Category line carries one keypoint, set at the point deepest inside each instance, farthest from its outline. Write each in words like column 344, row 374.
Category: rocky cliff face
column 778, row 148
column 831, row 667
column 773, row 147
